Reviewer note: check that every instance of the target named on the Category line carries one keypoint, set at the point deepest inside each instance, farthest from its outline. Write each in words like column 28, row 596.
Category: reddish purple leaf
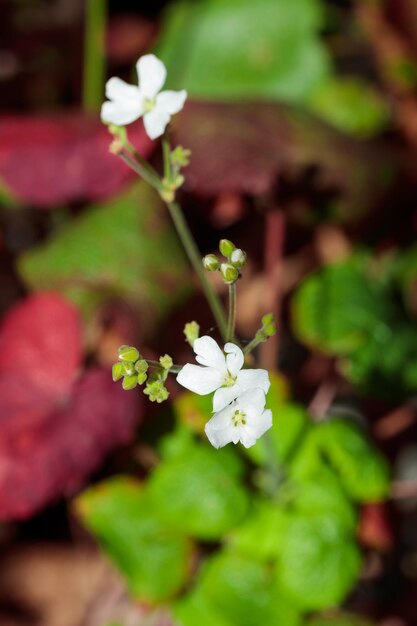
column 50, row 161
column 54, row 430
column 40, row 345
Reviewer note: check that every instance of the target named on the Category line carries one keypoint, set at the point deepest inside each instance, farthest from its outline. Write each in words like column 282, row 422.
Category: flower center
column 239, row 418
column 149, row 105
column 229, row 380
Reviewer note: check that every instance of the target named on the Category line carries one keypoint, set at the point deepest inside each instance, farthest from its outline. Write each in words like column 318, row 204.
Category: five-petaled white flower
column 244, row 420
column 221, row 373
column 128, row 103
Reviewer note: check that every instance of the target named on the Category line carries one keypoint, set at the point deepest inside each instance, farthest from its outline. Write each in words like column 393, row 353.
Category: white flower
column 244, row 420
column 128, row 103
column 220, row 373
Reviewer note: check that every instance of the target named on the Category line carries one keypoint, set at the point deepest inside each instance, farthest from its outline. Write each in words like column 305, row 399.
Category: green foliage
column 245, row 592
column 196, row 492
column 123, row 248
column 269, row 49
column 351, row 105
column 319, row 561
column 153, row 558
column 349, row 310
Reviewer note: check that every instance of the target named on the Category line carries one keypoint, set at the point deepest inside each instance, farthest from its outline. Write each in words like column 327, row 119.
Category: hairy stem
column 232, row 313
column 194, row 256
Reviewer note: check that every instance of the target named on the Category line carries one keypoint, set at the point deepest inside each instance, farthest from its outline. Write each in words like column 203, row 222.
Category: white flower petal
column 208, row 353
column 152, row 74
column 171, row 101
column 252, row 402
column 121, row 113
column 118, row 90
column 234, row 359
column 225, row 395
column 256, row 427
column 251, row 379
column 155, row 122
column 201, row 380
column 220, row 430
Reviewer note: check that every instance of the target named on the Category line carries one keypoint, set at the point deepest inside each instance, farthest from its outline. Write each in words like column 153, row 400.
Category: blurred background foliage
column 302, row 122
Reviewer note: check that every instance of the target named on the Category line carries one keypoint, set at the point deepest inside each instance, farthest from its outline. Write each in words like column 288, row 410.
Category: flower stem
column 144, row 172
column 194, row 257
column 174, row 369
column 94, row 54
column 142, row 162
column 252, row 345
column 232, row 313
column 166, row 150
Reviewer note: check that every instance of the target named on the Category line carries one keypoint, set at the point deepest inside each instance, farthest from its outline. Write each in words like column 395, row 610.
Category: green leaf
column 198, row 493
column 270, row 49
column 338, row 309
column 245, row 592
column 125, row 248
column 363, row 471
column 195, row 609
column 351, row 105
column 319, row 562
column 323, row 494
column 154, row 559
column 260, row 536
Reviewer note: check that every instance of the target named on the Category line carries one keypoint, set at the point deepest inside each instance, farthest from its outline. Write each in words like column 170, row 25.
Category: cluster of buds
column 268, row 328
column 230, row 270
column 133, row 369
column 179, row 158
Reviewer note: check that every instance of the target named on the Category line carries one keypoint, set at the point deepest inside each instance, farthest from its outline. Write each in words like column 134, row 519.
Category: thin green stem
column 143, row 162
column 167, row 158
column 143, row 172
column 174, row 369
column 194, row 256
column 231, row 323
column 252, row 345
column 94, row 54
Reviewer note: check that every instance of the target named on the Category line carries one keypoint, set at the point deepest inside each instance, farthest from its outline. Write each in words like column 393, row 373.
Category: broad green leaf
column 319, row 562
column 323, row 494
column 198, row 493
column 351, row 105
column 245, row 592
column 339, row 308
column 269, row 49
column 125, row 248
column 154, row 559
column 362, row 470
column 195, row 609
column 260, row 536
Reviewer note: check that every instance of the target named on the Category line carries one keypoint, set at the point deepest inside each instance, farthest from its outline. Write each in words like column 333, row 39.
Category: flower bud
column 211, row 262
column 129, row 382
column 229, row 272
column 141, row 378
column 128, row 353
column 166, row 361
column 191, row 332
column 141, row 366
column 226, row 247
column 117, row 371
column 238, row 258
column 128, row 369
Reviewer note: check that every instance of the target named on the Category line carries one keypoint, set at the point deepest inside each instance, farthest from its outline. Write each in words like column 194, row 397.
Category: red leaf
column 50, row 161
column 56, row 457
column 40, row 346
column 54, row 431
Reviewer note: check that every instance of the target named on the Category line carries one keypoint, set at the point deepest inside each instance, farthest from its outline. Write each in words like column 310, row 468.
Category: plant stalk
column 232, row 313
column 94, row 54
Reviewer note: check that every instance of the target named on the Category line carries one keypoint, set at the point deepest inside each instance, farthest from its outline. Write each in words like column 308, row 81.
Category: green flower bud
column 141, row 366
column 211, row 262
column 128, row 353
column 166, row 361
column 229, row 272
column 180, row 157
column 129, row 382
column 238, row 257
column 117, row 371
column 128, row 369
column 156, row 391
column 226, row 247
column 191, row 332
column 142, row 377
column 268, row 325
